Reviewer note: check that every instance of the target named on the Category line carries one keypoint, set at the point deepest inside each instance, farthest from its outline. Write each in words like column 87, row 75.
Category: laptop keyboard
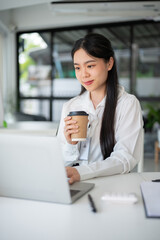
column 74, row 192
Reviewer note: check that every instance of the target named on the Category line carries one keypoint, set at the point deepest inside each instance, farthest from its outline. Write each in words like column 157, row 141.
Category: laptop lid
column 31, row 167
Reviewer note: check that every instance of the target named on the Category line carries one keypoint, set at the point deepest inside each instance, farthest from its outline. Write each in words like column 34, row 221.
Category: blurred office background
column 36, row 70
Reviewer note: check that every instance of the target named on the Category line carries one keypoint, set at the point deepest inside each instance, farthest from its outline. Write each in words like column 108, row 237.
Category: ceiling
column 88, row 12
column 12, row 4
column 115, row 10
column 108, row 11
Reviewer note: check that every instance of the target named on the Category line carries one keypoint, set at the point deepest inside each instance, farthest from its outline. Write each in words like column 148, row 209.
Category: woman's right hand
column 70, row 128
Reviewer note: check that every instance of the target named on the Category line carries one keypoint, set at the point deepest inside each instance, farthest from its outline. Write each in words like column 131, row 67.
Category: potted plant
column 152, row 121
column 153, row 118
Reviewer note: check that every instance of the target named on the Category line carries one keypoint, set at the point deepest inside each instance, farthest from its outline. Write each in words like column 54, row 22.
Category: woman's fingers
column 70, row 128
column 72, row 174
column 70, row 125
column 69, row 121
column 73, row 128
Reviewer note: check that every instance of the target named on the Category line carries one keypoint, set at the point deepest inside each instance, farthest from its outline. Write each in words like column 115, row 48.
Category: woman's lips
column 88, row 82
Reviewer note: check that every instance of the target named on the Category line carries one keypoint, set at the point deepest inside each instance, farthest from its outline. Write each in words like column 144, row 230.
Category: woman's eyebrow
column 89, row 61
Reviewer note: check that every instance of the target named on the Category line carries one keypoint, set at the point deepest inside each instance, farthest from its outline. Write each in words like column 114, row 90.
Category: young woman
column 114, row 138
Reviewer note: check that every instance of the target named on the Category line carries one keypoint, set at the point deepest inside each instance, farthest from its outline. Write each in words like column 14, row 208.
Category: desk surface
column 32, row 128
column 31, row 220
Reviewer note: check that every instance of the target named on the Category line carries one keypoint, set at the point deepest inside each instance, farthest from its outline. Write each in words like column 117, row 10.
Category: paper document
column 151, row 197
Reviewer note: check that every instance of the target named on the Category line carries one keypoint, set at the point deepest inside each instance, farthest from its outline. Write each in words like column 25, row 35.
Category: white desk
column 32, row 128
column 31, row 220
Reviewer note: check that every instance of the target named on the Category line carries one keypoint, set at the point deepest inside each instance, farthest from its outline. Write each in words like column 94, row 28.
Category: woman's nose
column 84, row 73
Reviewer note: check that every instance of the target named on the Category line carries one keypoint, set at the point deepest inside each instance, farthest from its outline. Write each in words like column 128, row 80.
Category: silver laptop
column 31, row 167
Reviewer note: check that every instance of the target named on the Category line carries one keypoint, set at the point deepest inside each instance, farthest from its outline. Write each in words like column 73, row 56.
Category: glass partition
column 65, row 84
column 34, row 107
column 147, row 40
column 35, row 64
column 120, row 40
column 64, row 70
column 46, row 74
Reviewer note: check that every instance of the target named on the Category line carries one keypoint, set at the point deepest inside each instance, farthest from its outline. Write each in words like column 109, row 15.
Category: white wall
column 7, row 67
column 1, row 84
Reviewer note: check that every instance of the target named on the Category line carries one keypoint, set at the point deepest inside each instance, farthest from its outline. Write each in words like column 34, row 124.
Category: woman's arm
column 128, row 146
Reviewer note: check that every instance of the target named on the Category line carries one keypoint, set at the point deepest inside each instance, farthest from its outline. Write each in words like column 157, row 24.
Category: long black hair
column 99, row 46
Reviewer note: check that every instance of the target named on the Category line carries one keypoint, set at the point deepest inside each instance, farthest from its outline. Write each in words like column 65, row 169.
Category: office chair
column 141, row 162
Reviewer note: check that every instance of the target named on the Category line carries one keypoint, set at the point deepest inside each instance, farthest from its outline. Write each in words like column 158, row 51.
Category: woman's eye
column 90, row 66
column 76, row 68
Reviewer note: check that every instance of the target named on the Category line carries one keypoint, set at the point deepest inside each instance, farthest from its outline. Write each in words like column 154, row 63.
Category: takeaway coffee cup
column 82, row 121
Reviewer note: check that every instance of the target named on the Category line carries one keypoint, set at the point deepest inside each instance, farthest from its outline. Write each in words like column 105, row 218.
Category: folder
column 151, row 198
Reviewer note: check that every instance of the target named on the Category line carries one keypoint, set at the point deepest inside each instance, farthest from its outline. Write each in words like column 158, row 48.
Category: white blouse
column 128, row 136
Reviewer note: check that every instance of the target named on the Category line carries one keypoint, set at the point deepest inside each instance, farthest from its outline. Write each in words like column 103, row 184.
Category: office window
column 147, row 43
column 65, row 85
column 35, row 64
column 120, row 40
column 46, row 72
column 46, row 77
column 64, row 71
column 34, row 107
column 63, row 42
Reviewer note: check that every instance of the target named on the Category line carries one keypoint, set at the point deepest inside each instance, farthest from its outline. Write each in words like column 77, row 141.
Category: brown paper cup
column 82, row 121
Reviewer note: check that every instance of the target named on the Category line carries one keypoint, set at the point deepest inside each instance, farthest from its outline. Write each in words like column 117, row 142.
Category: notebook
column 151, row 198
column 31, row 167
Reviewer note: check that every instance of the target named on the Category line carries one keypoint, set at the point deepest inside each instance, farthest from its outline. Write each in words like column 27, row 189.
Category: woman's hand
column 70, row 127
column 72, row 174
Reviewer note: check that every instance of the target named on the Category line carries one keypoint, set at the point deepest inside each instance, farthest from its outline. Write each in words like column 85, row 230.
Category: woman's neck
column 96, row 98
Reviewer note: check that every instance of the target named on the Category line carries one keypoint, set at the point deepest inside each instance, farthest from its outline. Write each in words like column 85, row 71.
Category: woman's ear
column 110, row 63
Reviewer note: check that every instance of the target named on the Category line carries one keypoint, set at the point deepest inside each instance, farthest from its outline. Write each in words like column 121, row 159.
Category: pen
column 156, row 180
column 92, row 204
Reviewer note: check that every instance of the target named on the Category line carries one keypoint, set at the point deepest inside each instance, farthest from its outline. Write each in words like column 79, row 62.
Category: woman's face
column 91, row 72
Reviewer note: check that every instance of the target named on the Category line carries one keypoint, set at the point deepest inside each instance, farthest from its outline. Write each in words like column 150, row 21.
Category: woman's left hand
column 72, row 174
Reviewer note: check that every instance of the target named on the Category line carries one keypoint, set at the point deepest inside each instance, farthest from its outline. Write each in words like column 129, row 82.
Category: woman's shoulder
column 124, row 97
column 72, row 101
column 127, row 102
